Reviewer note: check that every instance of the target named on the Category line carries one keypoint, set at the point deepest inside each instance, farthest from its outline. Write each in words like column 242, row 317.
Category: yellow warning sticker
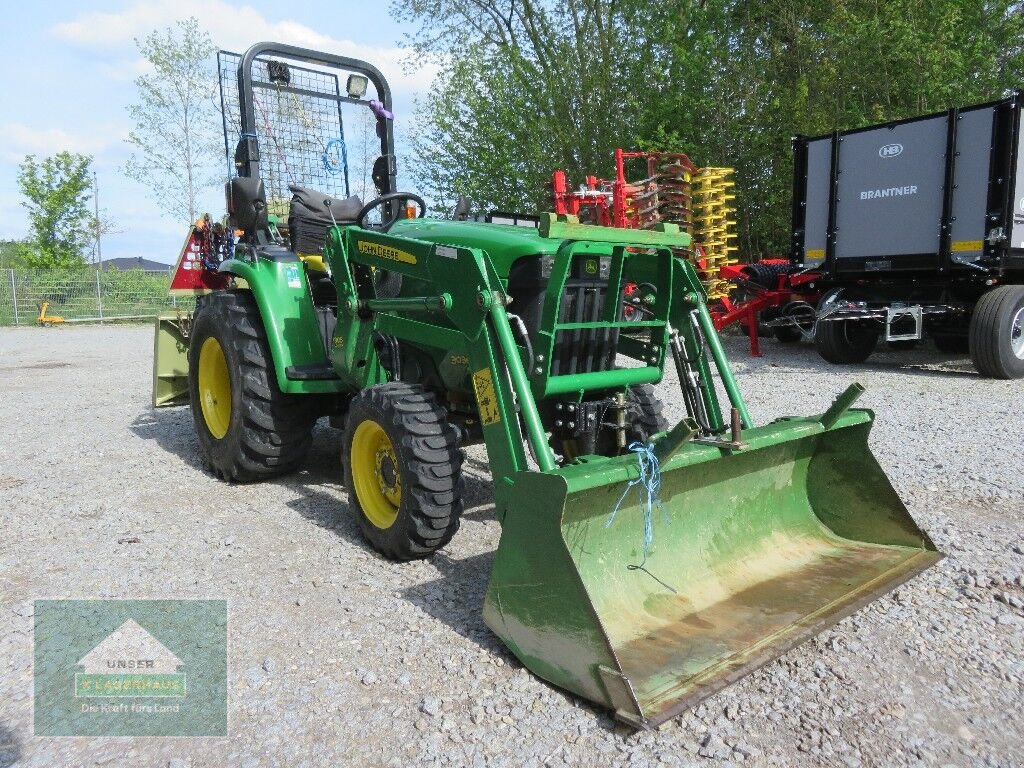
column 815, row 253
column 967, row 245
column 486, row 400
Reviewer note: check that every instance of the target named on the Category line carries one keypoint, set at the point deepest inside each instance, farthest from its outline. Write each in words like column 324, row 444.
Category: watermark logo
column 130, row 668
column 130, row 663
column 890, row 150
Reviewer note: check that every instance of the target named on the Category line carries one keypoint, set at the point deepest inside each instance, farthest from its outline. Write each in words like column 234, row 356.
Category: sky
column 71, row 68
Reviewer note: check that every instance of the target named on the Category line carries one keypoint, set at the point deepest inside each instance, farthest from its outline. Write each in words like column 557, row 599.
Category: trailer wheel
column 996, row 334
column 403, row 470
column 845, row 341
column 248, row 429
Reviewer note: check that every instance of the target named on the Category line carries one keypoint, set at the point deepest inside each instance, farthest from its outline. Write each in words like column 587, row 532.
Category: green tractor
column 641, row 565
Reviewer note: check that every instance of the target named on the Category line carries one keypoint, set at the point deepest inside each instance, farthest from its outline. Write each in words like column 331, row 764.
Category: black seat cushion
column 311, row 214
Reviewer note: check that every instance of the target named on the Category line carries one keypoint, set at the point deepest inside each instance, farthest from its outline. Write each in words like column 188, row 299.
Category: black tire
column 266, row 432
column 951, row 344
column 902, row 346
column 646, row 413
column 845, row 341
column 996, row 334
column 421, row 459
column 766, row 275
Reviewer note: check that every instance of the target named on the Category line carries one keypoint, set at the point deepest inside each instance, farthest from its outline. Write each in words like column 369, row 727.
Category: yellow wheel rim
column 375, row 474
column 214, row 388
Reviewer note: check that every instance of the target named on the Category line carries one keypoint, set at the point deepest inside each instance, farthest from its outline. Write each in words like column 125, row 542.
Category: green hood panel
column 502, row 241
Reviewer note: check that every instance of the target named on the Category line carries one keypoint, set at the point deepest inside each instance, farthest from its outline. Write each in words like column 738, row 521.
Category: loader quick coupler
column 583, row 422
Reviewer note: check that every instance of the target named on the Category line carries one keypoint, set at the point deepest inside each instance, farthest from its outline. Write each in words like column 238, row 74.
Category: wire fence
column 85, row 296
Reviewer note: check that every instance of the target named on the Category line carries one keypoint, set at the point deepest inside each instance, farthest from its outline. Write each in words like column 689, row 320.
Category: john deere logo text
column 385, row 252
column 890, row 150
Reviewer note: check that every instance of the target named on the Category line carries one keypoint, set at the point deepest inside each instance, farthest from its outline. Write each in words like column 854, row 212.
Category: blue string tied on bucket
column 650, row 480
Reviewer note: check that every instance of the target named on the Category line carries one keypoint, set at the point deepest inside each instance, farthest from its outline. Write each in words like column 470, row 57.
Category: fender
column 286, row 308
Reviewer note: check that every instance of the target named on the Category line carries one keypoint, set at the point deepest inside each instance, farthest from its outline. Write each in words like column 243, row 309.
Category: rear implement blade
column 756, row 551
column 170, row 362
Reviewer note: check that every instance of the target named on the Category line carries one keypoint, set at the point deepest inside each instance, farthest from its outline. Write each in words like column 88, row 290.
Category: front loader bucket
column 757, row 550
column 170, row 362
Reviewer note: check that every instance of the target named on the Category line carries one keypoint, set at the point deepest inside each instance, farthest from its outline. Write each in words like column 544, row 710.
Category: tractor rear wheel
column 403, row 470
column 996, row 333
column 248, row 429
column 845, row 341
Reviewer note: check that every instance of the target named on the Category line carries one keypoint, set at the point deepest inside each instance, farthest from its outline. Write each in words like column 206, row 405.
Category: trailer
column 916, row 228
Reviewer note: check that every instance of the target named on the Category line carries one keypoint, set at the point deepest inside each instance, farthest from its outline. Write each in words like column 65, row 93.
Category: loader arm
column 758, row 537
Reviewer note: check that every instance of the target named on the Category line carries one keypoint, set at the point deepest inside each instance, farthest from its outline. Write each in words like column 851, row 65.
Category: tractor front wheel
column 248, row 429
column 403, row 470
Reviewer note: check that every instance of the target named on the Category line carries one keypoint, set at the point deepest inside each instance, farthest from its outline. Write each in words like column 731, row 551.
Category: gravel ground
column 340, row 657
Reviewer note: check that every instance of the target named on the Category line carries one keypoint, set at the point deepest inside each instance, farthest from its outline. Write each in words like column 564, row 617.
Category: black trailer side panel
column 930, row 194
column 890, row 194
column 970, row 195
column 1017, row 227
column 819, row 159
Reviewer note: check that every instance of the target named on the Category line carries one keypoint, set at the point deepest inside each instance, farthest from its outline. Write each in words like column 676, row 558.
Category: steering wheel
column 397, row 213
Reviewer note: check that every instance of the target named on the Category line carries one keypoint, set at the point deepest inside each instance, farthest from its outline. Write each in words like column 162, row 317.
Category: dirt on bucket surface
column 340, row 657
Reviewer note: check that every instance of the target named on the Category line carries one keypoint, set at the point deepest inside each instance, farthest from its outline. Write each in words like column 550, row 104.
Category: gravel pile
column 340, row 657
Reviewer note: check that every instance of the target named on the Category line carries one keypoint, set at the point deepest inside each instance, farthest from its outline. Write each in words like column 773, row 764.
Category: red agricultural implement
column 674, row 191
column 765, row 294
column 770, row 294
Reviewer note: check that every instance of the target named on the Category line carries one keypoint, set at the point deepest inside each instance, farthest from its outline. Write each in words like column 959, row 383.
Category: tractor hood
column 504, row 243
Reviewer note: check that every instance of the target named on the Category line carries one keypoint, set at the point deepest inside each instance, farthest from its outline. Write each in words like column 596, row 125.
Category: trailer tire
column 403, row 470
column 996, row 334
column 845, row 341
column 248, row 429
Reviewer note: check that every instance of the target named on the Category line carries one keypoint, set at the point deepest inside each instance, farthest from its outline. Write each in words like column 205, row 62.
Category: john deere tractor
column 642, row 565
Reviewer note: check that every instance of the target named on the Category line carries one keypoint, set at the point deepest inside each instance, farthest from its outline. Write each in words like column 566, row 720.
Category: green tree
column 175, row 139
column 14, row 254
column 527, row 86
column 57, row 195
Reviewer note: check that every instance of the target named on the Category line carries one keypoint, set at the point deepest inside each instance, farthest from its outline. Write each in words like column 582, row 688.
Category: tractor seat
column 312, row 212
column 318, row 204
